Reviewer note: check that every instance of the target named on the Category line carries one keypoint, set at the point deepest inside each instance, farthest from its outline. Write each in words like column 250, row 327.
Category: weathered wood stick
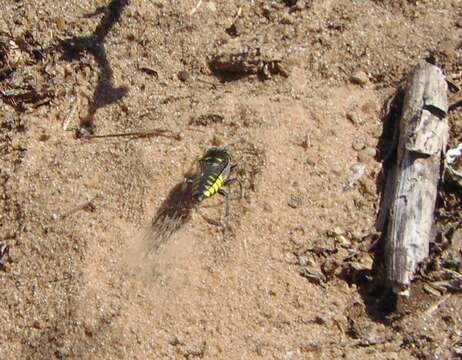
column 423, row 133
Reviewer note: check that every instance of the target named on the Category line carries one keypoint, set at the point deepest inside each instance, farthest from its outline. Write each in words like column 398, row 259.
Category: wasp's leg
column 226, row 226
column 225, row 194
column 232, row 181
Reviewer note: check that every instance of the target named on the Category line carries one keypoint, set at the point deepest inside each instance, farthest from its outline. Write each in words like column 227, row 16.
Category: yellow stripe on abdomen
column 214, row 187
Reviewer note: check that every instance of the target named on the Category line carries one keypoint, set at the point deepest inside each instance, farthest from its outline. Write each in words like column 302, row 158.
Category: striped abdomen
column 207, row 186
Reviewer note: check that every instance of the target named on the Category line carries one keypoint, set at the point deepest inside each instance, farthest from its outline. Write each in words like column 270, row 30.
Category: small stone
column 183, row 75
column 371, row 142
column 287, row 19
column 358, row 144
column 458, row 350
column 362, row 157
column 295, row 201
column 366, row 260
column 291, row 258
column 370, row 151
column 266, row 12
column 61, row 23
column 291, row 353
column 359, row 78
column 237, row 28
column 354, row 118
column 355, row 172
column 44, row 137
column 368, row 186
column 343, row 241
column 306, row 261
column 148, row 70
column 366, row 155
column 36, row 324
column 174, row 341
column 68, row 70
column 29, row 16
column 88, row 330
column 431, row 290
column 336, row 231
column 286, row 66
column 452, row 254
column 329, row 267
column 457, row 123
column 320, row 319
column 300, row 5
column 211, row 6
column 377, row 132
column 267, row 207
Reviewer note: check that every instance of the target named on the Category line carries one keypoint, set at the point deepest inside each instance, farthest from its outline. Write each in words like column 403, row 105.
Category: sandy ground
column 292, row 277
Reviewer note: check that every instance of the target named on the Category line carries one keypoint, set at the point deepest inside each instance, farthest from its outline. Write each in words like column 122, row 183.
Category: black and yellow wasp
column 215, row 170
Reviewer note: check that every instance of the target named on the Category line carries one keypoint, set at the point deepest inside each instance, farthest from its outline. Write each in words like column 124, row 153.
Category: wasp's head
column 217, row 153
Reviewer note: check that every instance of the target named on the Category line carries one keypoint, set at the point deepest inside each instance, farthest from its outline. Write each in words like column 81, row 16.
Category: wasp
column 215, row 171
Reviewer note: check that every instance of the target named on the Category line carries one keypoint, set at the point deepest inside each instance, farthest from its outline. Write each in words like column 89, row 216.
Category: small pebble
column 355, row 173
column 36, row 324
column 287, row 19
column 44, row 137
column 354, row 118
column 291, row 353
column 295, row 201
column 343, row 241
column 237, row 28
column 267, row 207
column 61, row 23
column 300, row 5
column 457, row 123
column 303, row 260
column 371, row 151
column 183, row 75
column 358, row 144
column 291, row 258
column 266, row 12
column 211, row 6
column 366, row 155
column 320, row 319
column 359, row 78
column 368, row 186
column 336, row 231
column 377, row 132
column 286, row 66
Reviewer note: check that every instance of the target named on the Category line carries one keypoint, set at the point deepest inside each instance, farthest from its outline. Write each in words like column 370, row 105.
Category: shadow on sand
column 73, row 48
column 380, row 301
column 173, row 214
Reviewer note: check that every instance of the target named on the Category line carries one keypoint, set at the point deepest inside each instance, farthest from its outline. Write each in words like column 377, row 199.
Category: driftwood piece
column 412, row 181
